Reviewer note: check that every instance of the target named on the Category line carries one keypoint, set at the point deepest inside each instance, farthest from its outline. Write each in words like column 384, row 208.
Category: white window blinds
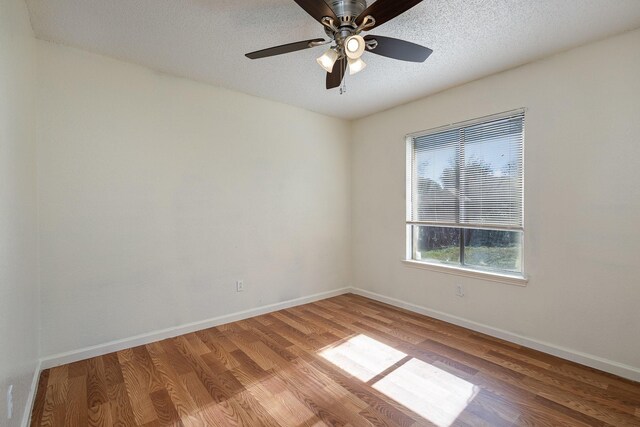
column 469, row 175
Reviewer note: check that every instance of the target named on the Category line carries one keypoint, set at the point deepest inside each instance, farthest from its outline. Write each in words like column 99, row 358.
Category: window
column 465, row 195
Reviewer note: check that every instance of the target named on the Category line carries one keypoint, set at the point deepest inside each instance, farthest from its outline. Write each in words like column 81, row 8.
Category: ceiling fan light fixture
column 343, row 21
column 356, row 65
column 354, row 46
column 328, row 59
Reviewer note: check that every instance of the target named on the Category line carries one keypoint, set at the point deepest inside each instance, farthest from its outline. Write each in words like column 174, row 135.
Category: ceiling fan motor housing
column 348, row 10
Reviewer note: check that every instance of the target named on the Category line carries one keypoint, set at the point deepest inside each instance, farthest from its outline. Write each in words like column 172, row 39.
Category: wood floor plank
column 203, row 400
column 99, row 415
column 96, row 382
column 48, row 411
column 219, row 345
column 137, row 383
column 276, row 370
column 120, row 406
column 112, row 373
column 76, row 407
column 77, row 369
column 226, row 391
column 59, row 374
column 532, row 411
column 167, row 414
column 38, row 407
column 183, row 404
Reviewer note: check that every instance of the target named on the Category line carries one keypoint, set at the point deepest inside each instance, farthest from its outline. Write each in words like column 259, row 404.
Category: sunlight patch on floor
column 362, row 357
column 427, row 390
column 434, row 394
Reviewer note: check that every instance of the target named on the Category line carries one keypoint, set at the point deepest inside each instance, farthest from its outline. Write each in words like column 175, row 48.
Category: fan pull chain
column 343, row 86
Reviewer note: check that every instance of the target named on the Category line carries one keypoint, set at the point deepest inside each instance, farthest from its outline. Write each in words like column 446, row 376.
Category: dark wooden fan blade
column 399, row 49
column 285, row 48
column 335, row 77
column 385, row 10
column 317, row 9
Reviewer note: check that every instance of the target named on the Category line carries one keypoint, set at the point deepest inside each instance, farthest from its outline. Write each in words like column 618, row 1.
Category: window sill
column 467, row 272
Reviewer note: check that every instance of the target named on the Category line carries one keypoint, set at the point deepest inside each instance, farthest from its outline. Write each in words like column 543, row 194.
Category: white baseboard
column 625, row 371
column 620, row 369
column 102, row 349
column 28, row 406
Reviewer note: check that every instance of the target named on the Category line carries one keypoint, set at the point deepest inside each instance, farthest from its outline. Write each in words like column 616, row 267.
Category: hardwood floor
column 343, row 361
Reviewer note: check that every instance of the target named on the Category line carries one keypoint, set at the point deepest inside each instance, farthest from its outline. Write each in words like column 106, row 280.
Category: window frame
column 515, row 278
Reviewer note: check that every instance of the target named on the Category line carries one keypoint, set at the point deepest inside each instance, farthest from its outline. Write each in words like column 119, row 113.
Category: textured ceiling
column 206, row 40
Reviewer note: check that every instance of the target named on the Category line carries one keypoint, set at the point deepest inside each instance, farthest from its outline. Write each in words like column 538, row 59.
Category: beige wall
column 582, row 201
column 19, row 305
column 155, row 194
column 158, row 193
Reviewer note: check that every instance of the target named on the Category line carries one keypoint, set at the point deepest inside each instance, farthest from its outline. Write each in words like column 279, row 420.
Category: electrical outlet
column 10, row 402
column 459, row 290
column 239, row 286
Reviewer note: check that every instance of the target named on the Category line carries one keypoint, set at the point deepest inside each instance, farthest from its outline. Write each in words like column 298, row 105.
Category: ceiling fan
column 343, row 21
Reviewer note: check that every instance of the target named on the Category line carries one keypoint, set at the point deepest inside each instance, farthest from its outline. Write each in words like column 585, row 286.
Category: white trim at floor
column 110, row 347
column 590, row 360
column 620, row 369
column 28, row 406
column 102, row 349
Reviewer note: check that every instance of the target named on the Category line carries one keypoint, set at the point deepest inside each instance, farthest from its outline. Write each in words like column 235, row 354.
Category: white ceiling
column 206, row 40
